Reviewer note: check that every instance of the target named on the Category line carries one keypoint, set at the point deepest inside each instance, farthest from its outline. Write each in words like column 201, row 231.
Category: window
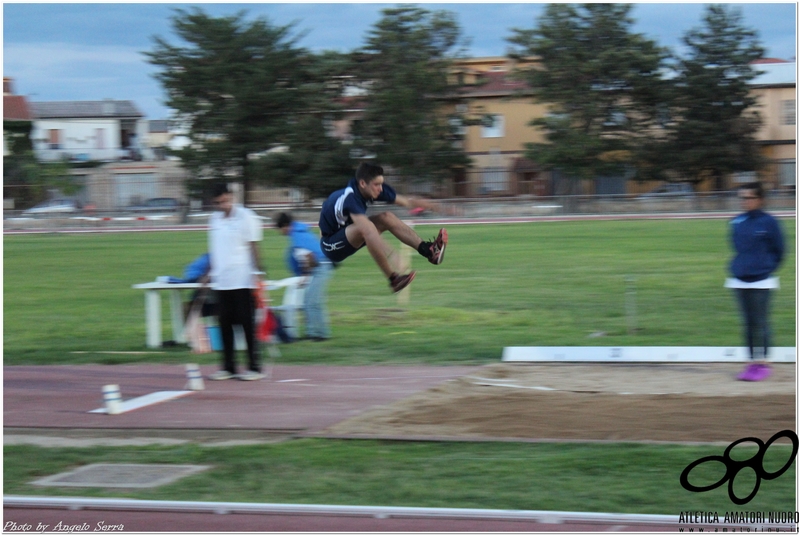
column 54, row 138
column 494, row 179
column 134, row 188
column 788, row 112
column 494, row 127
column 99, row 138
column 786, row 171
column 456, row 126
column 744, row 177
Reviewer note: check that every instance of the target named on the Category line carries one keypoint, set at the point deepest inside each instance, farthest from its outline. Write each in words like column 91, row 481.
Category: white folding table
column 292, row 303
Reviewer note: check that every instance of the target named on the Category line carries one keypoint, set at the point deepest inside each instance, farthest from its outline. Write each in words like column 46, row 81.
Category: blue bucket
column 216, row 337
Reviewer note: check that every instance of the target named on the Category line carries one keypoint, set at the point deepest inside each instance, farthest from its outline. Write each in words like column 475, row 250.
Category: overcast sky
column 75, row 51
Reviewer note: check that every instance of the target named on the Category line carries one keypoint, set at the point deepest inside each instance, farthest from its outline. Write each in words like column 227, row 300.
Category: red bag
column 267, row 326
column 266, row 322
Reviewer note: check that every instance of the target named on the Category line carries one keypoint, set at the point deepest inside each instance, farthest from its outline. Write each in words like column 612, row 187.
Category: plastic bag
column 197, row 334
column 195, row 331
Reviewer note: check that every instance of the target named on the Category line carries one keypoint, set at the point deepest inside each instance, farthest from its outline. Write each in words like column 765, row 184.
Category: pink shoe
column 755, row 372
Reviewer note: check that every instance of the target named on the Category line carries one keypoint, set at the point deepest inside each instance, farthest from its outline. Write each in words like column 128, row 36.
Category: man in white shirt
column 233, row 237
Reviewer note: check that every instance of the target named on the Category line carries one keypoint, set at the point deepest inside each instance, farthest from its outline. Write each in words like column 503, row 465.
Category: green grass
column 620, row 478
column 546, row 284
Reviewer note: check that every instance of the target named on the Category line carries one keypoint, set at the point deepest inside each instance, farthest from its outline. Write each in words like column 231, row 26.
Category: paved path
column 296, row 399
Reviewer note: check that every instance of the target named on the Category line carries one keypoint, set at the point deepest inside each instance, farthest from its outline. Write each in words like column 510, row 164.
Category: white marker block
column 112, row 398
column 195, row 381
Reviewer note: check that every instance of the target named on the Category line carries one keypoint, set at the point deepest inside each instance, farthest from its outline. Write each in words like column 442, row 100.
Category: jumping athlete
column 346, row 228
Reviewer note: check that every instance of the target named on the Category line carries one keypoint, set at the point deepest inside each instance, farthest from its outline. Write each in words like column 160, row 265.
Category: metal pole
column 630, row 304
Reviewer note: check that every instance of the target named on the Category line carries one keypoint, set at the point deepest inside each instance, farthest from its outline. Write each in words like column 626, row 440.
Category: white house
column 107, row 130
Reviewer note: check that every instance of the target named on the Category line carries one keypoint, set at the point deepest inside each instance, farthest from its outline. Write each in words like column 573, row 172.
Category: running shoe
column 251, row 375
column 438, row 247
column 398, row 282
column 755, row 372
column 221, row 375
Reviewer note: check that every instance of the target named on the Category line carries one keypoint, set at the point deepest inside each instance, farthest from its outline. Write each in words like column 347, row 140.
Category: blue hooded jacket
column 300, row 237
column 759, row 246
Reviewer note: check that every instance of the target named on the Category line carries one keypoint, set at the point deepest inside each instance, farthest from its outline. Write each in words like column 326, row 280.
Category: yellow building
column 775, row 89
column 497, row 151
column 496, row 147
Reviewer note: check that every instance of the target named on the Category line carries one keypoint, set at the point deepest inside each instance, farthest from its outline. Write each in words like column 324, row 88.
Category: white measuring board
column 143, row 401
column 640, row 354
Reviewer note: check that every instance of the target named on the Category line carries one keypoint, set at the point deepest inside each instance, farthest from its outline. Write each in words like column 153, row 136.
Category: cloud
column 68, row 71
column 62, row 56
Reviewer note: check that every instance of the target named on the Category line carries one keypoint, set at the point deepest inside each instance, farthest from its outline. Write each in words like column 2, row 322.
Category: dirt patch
column 634, row 402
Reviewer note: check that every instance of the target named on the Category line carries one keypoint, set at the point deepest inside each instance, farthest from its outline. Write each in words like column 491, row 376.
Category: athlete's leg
column 387, row 221
column 433, row 250
column 377, row 246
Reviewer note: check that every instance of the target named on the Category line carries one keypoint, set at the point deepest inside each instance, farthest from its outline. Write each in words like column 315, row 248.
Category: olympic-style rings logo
column 733, row 467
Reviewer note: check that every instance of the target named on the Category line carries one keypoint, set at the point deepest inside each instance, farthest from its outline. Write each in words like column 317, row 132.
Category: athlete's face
column 371, row 190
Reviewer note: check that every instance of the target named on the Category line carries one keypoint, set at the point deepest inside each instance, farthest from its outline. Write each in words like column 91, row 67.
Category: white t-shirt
column 229, row 240
column 771, row 283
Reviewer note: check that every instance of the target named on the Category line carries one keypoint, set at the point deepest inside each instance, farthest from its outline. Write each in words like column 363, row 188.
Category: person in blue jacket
column 304, row 257
column 759, row 250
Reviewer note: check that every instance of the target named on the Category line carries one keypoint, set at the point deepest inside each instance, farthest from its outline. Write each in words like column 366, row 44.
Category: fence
column 118, row 188
column 492, row 182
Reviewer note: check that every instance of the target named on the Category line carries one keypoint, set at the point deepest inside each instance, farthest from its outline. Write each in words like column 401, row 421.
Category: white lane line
column 143, row 401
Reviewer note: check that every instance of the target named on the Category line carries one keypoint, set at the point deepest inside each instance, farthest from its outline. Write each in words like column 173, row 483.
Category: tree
column 404, row 67
column 28, row 181
column 239, row 86
column 25, row 179
column 604, row 88
column 317, row 160
column 716, row 124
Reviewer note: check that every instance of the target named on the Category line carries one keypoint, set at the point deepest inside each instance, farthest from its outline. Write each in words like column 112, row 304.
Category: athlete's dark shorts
column 336, row 247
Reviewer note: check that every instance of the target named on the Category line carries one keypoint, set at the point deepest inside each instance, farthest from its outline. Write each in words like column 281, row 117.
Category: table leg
column 292, row 301
column 152, row 309
column 176, row 309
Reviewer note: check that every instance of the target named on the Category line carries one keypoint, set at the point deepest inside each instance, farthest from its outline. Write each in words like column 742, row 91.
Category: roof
column 15, row 108
column 768, row 60
column 84, row 109
column 496, row 83
column 775, row 74
column 159, row 126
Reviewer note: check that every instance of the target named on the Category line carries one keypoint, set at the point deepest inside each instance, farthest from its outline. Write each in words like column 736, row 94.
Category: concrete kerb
column 84, row 437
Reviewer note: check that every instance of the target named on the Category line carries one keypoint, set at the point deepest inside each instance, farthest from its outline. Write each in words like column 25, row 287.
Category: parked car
column 157, row 204
column 676, row 189
column 54, row 206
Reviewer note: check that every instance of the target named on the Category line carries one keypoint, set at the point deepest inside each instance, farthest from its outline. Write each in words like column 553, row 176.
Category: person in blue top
column 346, row 228
column 759, row 250
column 304, row 258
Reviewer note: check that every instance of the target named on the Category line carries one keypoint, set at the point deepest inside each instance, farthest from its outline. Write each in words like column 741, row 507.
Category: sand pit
column 615, row 402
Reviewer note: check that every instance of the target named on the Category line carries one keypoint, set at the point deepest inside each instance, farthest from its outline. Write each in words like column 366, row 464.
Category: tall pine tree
column 603, row 85
column 715, row 115
column 240, row 86
column 404, row 68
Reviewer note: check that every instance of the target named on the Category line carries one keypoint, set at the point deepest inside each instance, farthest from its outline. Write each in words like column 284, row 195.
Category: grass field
column 620, row 478
column 501, row 285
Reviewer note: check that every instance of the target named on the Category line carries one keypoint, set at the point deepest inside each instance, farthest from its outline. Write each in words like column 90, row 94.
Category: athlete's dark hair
column 368, row 171
column 283, row 220
column 754, row 187
column 219, row 188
